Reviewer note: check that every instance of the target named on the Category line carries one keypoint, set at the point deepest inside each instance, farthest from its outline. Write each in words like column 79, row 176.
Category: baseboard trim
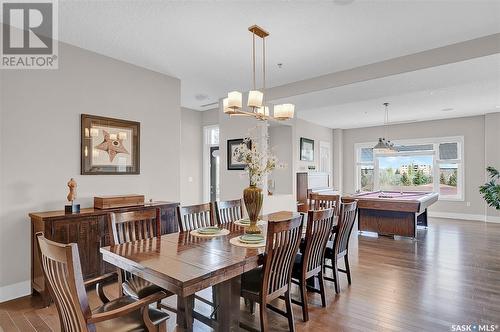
column 464, row 216
column 13, row 291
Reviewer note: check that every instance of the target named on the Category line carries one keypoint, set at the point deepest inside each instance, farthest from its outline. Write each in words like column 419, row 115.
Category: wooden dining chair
column 228, row 211
column 339, row 247
column 195, row 216
column 309, row 263
column 135, row 226
column 321, row 202
column 273, row 279
column 62, row 270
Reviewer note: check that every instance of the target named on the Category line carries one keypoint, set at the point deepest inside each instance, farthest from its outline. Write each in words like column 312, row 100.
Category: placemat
column 235, row 241
column 259, row 222
column 221, row 233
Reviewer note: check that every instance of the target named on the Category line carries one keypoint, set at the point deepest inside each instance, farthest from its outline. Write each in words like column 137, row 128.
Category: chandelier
column 384, row 145
column 256, row 106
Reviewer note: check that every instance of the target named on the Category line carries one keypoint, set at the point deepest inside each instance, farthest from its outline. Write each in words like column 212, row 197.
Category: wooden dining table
column 185, row 264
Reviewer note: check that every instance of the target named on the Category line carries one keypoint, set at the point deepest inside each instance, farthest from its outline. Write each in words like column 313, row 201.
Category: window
column 419, row 165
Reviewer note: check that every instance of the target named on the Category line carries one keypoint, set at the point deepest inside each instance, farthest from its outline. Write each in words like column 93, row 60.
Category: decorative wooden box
column 111, row 202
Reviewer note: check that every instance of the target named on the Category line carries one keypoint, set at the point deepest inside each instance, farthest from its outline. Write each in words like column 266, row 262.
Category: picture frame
column 109, row 146
column 306, row 149
column 232, row 164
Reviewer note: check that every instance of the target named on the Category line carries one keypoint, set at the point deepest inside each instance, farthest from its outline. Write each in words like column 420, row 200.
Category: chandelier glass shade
column 255, row 106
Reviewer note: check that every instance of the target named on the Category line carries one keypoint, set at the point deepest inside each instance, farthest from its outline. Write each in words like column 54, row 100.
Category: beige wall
column 40, row 143
column 473, row 130
column 492, row 153
column 210, row 117
column 191, row 157
column 317, row 133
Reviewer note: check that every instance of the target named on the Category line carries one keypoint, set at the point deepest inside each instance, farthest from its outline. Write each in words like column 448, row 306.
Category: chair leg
column 347, row 268
column 303, row 297
column 263, row 317
column 288, row 302
column 252, row 306
column 322, row 289
column 336, row 275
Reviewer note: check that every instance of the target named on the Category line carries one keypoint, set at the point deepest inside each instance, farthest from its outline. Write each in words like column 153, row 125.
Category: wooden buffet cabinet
column 89, row 229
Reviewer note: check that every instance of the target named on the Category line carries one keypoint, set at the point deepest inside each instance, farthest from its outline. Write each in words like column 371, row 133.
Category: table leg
column 185, row 306
column 228, row 299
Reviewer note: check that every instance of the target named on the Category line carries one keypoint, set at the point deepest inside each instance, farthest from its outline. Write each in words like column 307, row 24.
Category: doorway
column 214, row 173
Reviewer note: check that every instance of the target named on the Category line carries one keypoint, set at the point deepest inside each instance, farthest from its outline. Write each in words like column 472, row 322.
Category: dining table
column 184, row 264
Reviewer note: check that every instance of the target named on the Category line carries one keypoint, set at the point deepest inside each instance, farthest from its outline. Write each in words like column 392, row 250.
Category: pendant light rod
column 233, row 104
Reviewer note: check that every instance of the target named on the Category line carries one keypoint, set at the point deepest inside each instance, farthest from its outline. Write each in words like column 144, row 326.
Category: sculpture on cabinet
column 73, row 208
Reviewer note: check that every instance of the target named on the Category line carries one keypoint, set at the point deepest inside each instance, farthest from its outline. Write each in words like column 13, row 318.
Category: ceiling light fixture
column 384, row 145
column 233, row 104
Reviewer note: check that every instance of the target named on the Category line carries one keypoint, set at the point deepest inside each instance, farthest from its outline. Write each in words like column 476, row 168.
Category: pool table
column 393, row 213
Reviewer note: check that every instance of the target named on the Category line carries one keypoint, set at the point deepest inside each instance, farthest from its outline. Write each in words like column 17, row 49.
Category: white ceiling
column 469, row 88
column 207, row 45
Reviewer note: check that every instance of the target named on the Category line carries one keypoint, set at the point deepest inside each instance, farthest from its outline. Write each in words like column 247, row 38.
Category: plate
column 245, row 221
column 251, row 238
column 208, row 230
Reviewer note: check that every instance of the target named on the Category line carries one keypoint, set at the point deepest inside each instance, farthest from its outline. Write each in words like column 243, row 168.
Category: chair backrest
column 62, row 270
column 228, row 211
column 345, row 225
column 321, row 202
column 134, row 225
column 283, row 239
column 195, row 216
column 318, row 231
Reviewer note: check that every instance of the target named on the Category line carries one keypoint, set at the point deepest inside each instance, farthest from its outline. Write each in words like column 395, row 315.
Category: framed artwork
column 306, row 149
column 232, row 163
column 109, row 146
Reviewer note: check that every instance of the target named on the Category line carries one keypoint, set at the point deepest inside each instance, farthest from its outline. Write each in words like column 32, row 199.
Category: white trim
column 464, row 216
column 206, row 161
column 14, row 291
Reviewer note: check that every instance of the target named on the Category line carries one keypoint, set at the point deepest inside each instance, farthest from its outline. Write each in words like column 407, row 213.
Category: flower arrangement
column 257, row 162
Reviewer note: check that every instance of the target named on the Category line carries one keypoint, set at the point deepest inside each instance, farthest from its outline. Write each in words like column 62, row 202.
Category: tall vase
column 253, row 197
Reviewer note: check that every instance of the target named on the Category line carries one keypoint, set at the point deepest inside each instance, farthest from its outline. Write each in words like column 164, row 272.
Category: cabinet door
column 85, row 233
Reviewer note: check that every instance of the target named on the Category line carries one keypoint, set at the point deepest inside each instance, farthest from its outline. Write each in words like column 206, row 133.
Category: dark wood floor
column 449, row 275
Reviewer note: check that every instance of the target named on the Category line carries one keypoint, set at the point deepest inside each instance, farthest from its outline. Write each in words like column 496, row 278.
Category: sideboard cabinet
column 89, row 230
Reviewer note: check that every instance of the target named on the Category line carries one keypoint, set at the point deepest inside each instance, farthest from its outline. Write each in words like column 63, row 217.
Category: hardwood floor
column 449, row 275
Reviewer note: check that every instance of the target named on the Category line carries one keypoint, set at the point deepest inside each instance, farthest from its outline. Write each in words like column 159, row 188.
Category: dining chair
column 273, row 279
column 339, row 247
column 321, row 201
column 135, row 226
column 309, row 263
column 195, row 216
column 228, row 211
column 62, row 270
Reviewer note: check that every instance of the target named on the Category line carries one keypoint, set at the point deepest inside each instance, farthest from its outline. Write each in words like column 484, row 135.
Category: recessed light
column 449, row 109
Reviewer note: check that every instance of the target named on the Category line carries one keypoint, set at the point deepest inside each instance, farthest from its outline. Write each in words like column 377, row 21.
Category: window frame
column 435, row 141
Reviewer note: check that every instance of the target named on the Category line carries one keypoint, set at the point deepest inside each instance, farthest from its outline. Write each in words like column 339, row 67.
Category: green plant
column 491, row 190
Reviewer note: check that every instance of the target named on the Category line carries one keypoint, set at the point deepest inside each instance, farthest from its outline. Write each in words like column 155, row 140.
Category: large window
column 419, row 165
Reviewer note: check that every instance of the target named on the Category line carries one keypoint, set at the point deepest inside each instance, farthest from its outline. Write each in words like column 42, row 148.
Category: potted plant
column 491, row 190
column 258, row 163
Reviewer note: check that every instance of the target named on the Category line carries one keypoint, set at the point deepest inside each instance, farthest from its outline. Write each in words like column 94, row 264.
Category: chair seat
column 139, row 288
column 130, row 322
column 297, row 266
column 251, row 281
